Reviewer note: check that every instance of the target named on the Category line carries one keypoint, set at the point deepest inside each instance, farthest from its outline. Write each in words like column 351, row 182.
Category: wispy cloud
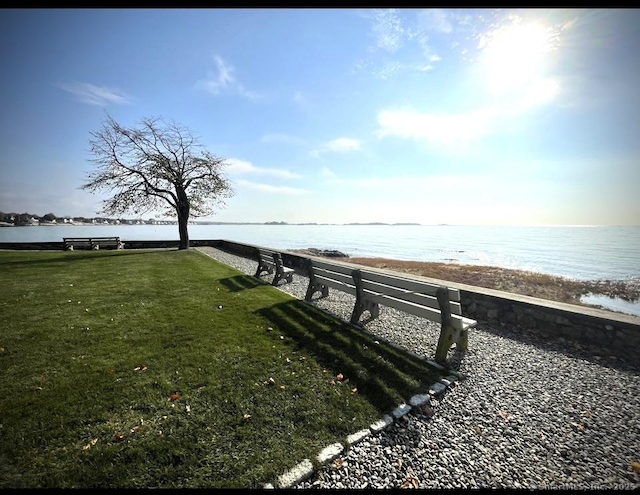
column 268, row 188
column 96, row 95
column 240, row 167
column 222, row 79
column 339, row 145
column 387, row 29
column 396, row 31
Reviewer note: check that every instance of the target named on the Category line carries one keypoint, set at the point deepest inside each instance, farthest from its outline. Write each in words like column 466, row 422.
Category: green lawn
column 166, row 368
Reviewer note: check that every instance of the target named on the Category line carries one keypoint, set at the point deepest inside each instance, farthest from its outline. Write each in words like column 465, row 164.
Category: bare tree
column 156, row 166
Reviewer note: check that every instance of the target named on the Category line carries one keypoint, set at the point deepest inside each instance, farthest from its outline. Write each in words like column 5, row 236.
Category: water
column 583, row 253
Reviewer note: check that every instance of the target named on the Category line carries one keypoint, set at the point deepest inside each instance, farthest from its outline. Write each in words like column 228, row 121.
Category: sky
column 457, row 116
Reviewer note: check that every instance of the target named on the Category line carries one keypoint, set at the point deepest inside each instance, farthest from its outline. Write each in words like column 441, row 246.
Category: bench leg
column 263, row 268
column 358, row 309
column 312, row 289
column 448, row 336
column 463, row 341
column 276, row 279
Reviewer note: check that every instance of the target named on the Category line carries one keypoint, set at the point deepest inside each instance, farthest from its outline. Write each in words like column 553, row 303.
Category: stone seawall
column 615, row 333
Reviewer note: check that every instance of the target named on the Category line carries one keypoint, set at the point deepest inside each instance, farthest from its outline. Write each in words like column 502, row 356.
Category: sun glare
column 513, row 56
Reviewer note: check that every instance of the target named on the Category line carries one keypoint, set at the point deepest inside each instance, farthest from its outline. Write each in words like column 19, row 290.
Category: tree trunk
column 183, row 218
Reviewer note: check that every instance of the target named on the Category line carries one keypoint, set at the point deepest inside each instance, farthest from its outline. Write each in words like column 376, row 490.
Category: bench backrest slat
column 422, row 311
column 267, row 256
column 336, row 284
column 408, row 284
column 416, row 293
column 331, row 267
column 382, row 294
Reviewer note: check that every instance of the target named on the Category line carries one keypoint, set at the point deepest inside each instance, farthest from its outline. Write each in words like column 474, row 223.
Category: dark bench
column 270, row 262
column 70, row 243
column 372, row 289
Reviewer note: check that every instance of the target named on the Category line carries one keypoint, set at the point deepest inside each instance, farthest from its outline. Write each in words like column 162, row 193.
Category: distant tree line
column 31, row 219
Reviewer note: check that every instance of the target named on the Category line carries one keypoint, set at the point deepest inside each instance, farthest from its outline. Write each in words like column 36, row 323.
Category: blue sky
column 489, row 117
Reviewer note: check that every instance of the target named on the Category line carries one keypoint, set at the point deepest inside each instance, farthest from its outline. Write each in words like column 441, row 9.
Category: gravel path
column 532, row 413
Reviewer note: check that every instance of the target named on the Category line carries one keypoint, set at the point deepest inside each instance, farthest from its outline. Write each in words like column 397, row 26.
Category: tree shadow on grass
column 386, row 375
column 241, row 282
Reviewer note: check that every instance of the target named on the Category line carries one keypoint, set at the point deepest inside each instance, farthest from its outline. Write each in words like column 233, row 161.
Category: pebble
column 544, row 387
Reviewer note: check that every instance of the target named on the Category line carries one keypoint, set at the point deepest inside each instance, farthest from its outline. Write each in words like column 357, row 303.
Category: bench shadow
column 383, row 373
column 241, row 282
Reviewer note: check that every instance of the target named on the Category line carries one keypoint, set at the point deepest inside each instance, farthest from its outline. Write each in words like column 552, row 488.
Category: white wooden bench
column 91, row 242
column 372, row 289
column 270, row 262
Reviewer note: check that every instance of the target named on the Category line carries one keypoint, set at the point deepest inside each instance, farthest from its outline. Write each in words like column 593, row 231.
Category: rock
column 327, row 253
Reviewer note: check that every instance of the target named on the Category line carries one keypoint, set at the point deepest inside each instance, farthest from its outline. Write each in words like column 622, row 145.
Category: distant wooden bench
column 70, row 243
column 270, row 262
column 371, row 289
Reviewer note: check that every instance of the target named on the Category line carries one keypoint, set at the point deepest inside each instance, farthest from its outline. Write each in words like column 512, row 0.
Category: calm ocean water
column 585, row 253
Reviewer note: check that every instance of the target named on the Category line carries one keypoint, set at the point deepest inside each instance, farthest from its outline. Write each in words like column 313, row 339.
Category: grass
column 165, row 368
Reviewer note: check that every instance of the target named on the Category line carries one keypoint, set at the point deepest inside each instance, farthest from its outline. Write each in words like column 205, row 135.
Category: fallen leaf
column 118, row 437
column 288, row 360
column 175, row 396
column 504, row 415
column 340, row 377
column 246, row 416
column 90, row 444
column 188, row 408
column 282, row 387
column 411, row 483
column 635, row 465
column 338, row 462
column 134, row 429
column 140, row 368
column 354, row 390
